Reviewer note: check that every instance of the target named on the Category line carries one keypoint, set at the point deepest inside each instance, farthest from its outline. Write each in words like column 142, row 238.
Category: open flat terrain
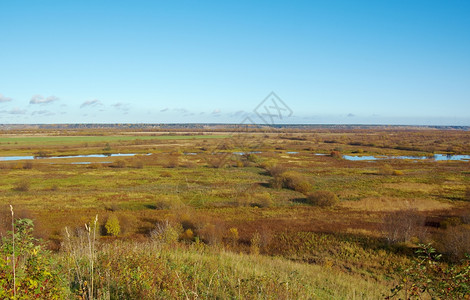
column 249, row 192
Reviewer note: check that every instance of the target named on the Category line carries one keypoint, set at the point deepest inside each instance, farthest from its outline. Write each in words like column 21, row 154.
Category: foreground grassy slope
column 223, row 275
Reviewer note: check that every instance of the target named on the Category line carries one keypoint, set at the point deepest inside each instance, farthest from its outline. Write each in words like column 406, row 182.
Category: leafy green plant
column 26, row 268
column 112, row 226
column 428, row 277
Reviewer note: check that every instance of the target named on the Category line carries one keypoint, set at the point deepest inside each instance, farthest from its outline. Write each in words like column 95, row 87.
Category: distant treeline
column 219, row 126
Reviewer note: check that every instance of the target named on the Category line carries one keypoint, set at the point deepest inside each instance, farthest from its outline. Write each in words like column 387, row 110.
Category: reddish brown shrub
column 292, row 180
column 401, row 226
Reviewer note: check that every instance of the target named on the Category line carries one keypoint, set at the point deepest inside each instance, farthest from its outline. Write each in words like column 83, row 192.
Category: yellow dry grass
column 379, row 204
column 412, row 187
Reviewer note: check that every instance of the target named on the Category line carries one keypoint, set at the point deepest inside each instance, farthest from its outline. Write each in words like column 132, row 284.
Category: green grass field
column 59, row 140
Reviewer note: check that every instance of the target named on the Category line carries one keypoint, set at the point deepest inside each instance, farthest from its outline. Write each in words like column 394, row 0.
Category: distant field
column 53, row 140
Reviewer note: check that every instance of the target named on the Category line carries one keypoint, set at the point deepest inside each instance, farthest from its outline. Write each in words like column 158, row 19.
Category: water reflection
column 14, row 158
column 435, row 157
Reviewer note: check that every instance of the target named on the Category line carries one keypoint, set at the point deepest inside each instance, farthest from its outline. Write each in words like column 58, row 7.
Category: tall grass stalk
column 91, row 247
column 182, row 286
column 74, row 256
column 13, row 252
column 93, row 253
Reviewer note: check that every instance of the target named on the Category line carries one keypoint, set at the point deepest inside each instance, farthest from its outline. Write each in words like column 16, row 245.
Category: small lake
column 14, row 158
column 435, row 157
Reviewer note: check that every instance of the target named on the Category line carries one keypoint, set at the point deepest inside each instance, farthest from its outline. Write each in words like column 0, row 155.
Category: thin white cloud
column 216, row 111
column 42, row 112
column 350, row 115
column 181, row 110
column 38, row 99
column 4, row 99
column 90, row 103
column 121, row 106
column 164, row 110
column 14, row 111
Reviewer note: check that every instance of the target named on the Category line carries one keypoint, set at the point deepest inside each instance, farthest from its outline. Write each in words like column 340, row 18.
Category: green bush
column 428, row 278
column 274, row 169
column 291, row 180
column 322, row 198
column 261, row 200
column 112, row 226
column 165, row 233
column 34, row 276
column 22, row 186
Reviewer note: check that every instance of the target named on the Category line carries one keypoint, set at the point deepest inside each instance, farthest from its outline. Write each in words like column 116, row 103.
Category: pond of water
column 13, row 158
column 435, row 157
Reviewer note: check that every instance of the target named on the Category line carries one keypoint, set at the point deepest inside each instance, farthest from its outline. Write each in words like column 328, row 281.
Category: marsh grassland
column 260, row 214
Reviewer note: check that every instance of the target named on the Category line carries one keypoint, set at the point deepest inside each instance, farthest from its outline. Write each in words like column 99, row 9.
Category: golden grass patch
column 412, row 187
column 384, row 203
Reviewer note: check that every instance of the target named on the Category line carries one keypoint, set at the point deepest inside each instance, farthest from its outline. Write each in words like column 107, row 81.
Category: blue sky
column 347, row 62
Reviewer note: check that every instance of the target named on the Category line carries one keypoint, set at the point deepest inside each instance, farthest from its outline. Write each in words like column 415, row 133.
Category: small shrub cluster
column 233, row 236
column 165, row 233
column 402, row 226
column 172, row 160
column 211, row 232
column 120, row 163
column 95, row 166
column 22, row 186
column 273, row 169
column 387, row 169
column 454, row 241
column 112, row 226
column 336, row 154
column 28, row 165
column 322, row 198
column 168, row 202
column 216, row 161
column 291, row 180
column 262, row 199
